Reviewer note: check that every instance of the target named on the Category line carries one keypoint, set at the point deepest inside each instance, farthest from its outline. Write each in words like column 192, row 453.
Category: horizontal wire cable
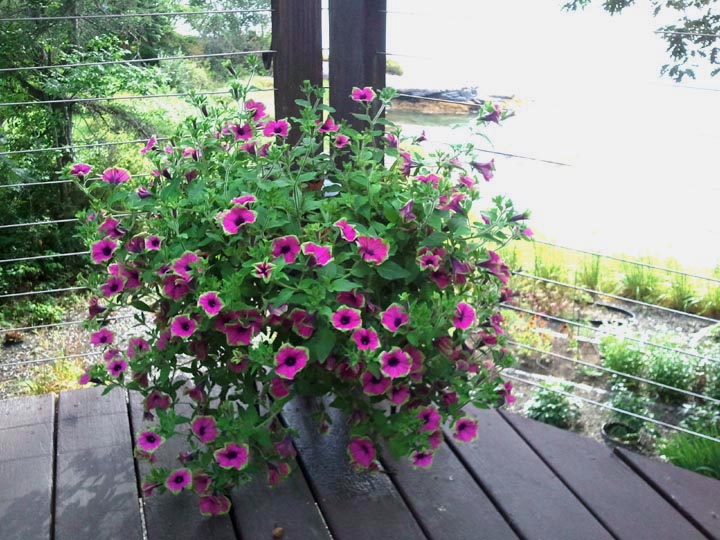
column 77, row 147
column 614, row 372
column 49, row 359
column 46, row 291
column 129, row 15
column 529, row 158
column 58, row 325
column 611, row 408
column 629, row 261
column 27, row 184
column 441, row 100
column 690, row 34
column 119, row 98
column 34, row 223
column 610, row 333
column 136, row 60
column 615, row 297
column 38, row 257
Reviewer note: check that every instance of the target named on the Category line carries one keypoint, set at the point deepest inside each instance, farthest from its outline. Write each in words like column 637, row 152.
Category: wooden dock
column 67, row 473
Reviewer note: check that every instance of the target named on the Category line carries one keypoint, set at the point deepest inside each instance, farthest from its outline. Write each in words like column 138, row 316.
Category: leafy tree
column 692, row 40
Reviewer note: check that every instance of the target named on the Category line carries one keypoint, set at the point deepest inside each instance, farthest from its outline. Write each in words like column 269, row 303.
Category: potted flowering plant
column 336, row 262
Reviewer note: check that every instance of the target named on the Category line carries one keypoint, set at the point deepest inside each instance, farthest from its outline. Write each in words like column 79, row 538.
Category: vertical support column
column 357, row 37
column 297, row 38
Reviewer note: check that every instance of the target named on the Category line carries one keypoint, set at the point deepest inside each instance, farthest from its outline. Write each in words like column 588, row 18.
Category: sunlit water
column 642, row 152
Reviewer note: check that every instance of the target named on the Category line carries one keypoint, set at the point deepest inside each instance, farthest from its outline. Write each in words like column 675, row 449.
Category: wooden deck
column 67, row 473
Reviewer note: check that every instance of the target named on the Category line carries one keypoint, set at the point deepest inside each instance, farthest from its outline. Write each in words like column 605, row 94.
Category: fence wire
column 130, row 15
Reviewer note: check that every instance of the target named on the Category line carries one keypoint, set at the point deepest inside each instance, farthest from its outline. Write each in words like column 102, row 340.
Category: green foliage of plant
column 52, row 378
column 551, row 407
column 672, row 369
column 692, row 452
column 393, row 67
column 640, row 283
column 625, row 399
column 527, row 330
column 589, row 274
column 623, row 356
column 273, row 269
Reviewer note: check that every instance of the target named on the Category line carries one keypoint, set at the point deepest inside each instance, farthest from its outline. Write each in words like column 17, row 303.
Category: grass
column 52, row 378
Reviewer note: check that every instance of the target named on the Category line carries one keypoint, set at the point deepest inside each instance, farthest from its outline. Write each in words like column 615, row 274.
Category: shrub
column 672, row 369
column 693, row 452
column 548, row 405
column 624, row 356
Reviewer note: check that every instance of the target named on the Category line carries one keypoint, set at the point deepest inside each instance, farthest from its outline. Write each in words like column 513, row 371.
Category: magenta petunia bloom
column 153, row 243
column 486, row 169
column 329, row 126
column 205, row 429
column 157, row 400
column 201, row 483
column 111, row 227
column 346, row 318
column 289, row 360
column 214, row 505
column 276, row 127
column 395, row 363
column 433, row 179
column 464, row 316
column 467, row 181
column 279, row 388
column 81, row 170
column 186, row 264
column 95, row 308
column 440, row 277
column 496, row 266
column 151, row 145
column 149, row 441
column 115, row 176
column 428, row 261
column 435, row 439
column 242, row 133
column 465, row 429
column 277, row 472
column 102, row 337
column 507, row 393
column 422, row 460
column 175, row 287
column 374, row 386
column 406, row 212
column 353, row 299
column 256, row 108
column 362, row 451
column 366, row 339
column 393, row 318
column 233, row 456
column 373, row 249
column 430, row 419
column 399, row 395
column 239, row 216
column 112, row 286
column 527, row 232
column 263, row 270
column 347, row 231
column 211, row 303
column 117, row 367
column 366, row 94
column 238, row 334
column 494, row 116
column 319, row 255
column 178, row 480
column 103, row 250
column 137, row 346
column 84, row 379
column 341, row 140
column 391, row 140
column 286, row 247
column 244, row 200
column 496, row 319
column 302, row 323
column 182, row 326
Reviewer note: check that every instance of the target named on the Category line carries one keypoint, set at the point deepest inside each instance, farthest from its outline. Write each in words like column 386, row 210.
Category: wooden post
column 357, row 39
column 297, row 38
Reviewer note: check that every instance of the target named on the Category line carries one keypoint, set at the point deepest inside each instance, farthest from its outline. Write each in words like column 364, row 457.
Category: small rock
column 278, row 533
column 13, row 338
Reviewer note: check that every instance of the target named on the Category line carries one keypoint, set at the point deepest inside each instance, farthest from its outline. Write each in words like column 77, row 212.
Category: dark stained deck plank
column 96, row 490
column 356, row 506
column 447, row 500
column 697, row 497
column 175, row 517
column 531, row 496
column 625, row 504
column 26, row 467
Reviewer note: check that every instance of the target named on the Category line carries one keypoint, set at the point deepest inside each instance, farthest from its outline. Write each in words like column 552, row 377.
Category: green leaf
column 435, row 239
column 343, row 285
column 322, row 343
column 392, row 270
column 142, row 306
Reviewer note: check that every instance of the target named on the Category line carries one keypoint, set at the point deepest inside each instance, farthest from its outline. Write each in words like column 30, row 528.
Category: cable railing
column 132, row 15
column 78, row 322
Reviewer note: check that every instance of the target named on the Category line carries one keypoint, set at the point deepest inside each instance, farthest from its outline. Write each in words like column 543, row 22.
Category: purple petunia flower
column 286, row 246
column 507, row 393
column 493, row 116
column 182, row 326
column 157, row 400
column 406, row 212
column 115, row 176
column 233, row 456
column 149, row 441
column 374, row 386
column 362, row 451
column 428, row 261
column 430, row 418
column 464, row 316
column 399, row 395
column 244, row 200
column 341, row 140
column 329, row 126
column 373, row 249
column 486, row 169
column 465, row 429
column 430, row 179
column 347, row 231
column 153, row 243
column 238, row 334
column 143, row 192
column 440, row 277
column 353, row 299
column 256, row 108
column 102, row 337
column 81, row 170
column 393, row 318
column 111, row 227
column 391, row 140
column 136, row 244
column 186, row 264
column 178, row 480
column 175, row 287
column 151, row 145
column 211, row 303
column 242, row 133
column 422, row 460
column 233, row 219
column 201, row 483
column 496, row 266
column 205, row 429
column 366, row 94
column 395, row 363
column 302, row 323
column 289, row 360
column 263, row 270
column 214, row 505
column 366, row 339
column 84, row 378
column 279, row 388
column 467, row 181
column 435, row 439
column 276, row 127
column 137, row 346
column 346, row 318
column 112, row 286
column 319, row 255
column 103, row 250
column 95, row 308
column 117, row 367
